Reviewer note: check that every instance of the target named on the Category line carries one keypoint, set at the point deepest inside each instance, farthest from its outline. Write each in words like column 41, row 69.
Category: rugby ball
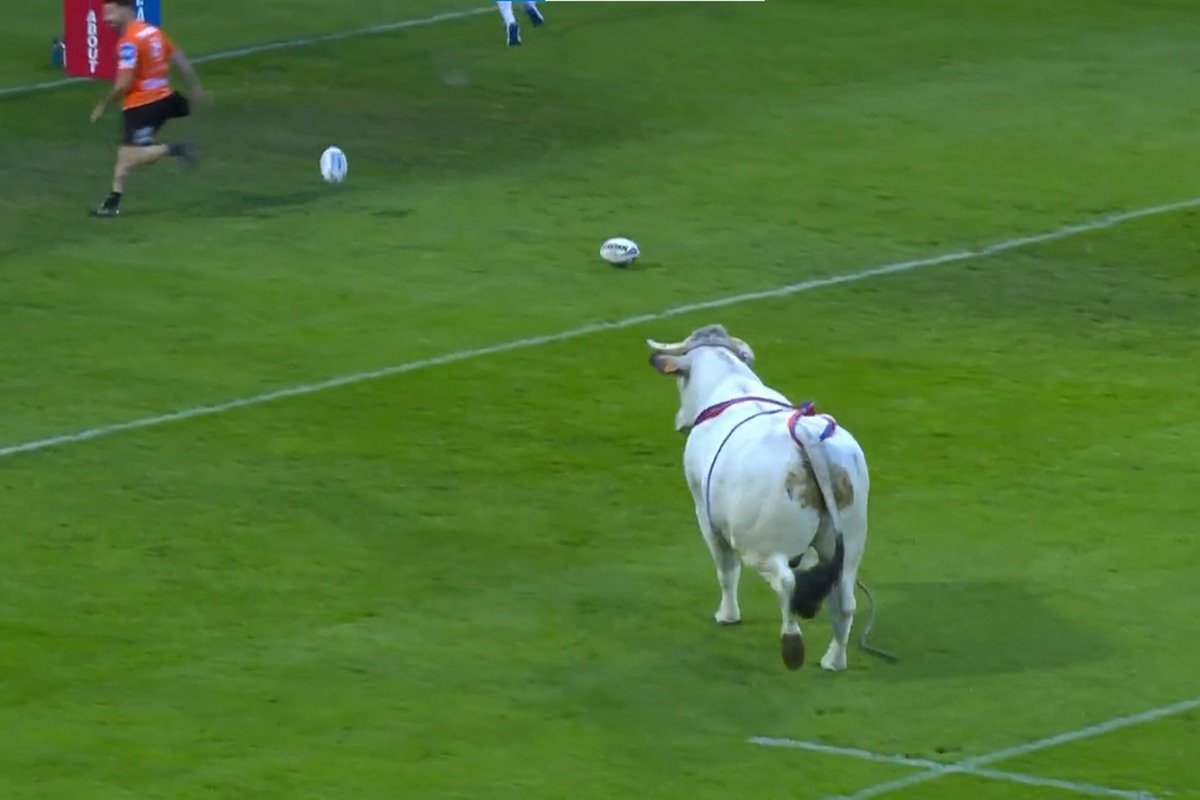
column 334, row 165
column 619, row 251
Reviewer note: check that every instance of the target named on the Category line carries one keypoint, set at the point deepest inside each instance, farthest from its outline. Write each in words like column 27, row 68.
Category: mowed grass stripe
column 455, row 582
column 267, row 47
column 300, row 390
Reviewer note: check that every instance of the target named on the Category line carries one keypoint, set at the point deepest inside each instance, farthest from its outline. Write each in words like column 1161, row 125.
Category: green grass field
column 483, row 579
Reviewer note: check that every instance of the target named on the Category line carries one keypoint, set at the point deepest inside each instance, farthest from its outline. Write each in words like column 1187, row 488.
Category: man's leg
column 137, row 148
column 130, row 156
column 510, row 22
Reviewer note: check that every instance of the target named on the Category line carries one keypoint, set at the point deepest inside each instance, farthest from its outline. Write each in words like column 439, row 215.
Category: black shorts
column 141, row 123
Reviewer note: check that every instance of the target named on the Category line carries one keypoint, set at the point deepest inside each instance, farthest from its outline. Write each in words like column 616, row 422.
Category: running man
column 144, row 59
column 510, row 21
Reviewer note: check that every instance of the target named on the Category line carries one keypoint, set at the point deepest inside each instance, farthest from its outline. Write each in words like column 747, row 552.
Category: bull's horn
column 674, row 349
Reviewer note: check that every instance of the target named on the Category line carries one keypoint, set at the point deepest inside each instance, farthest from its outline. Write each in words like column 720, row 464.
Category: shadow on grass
column 262, row 204
column 962, row 628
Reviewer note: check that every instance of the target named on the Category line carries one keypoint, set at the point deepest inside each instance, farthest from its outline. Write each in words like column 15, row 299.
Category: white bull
column 769, row 482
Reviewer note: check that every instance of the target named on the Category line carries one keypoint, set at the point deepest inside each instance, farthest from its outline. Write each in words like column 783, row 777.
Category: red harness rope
column 806, row 409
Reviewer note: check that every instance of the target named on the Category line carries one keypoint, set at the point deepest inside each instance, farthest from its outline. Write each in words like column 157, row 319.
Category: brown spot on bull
column 802, row 486
column 843, row 487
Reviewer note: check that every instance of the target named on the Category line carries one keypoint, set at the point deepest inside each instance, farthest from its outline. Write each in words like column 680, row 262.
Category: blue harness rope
column 713, row 464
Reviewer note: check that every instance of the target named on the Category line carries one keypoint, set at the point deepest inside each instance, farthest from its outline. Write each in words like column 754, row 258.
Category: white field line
column 557, row 2
column 1077, row 787
column 455, row 356
column 284, row 44
column 970, row 765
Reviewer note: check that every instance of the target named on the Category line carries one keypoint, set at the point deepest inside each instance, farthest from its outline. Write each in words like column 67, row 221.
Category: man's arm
column 120, row 86
column 181, row 63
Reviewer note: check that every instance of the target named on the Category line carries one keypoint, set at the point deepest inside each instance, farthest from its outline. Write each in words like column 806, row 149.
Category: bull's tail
column 813, row 585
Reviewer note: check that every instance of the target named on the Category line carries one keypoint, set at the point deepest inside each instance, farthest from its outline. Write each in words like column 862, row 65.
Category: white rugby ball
column 334, row 165
column 619, row 251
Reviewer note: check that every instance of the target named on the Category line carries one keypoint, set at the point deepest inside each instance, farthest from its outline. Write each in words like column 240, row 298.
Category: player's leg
column 138, row 148
column 510, row 22
column 534, row 13
column 129, row 157
column 136, row 124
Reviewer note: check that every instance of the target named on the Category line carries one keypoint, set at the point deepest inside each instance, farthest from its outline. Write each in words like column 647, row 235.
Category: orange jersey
column 145, row 51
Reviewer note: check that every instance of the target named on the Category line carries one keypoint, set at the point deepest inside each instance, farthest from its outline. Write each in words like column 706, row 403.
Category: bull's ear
column 743, row 351
column 667, row 365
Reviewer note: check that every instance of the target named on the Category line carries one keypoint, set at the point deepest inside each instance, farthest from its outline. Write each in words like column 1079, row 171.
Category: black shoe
column 105, row 210
column 185, row 151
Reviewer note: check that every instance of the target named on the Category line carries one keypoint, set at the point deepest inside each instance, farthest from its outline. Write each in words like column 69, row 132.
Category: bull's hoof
column 725, row 616
column 791, row 647
column 834, row 659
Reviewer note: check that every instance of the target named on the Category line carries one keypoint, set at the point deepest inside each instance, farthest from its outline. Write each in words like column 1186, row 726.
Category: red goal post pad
column 90, row 45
